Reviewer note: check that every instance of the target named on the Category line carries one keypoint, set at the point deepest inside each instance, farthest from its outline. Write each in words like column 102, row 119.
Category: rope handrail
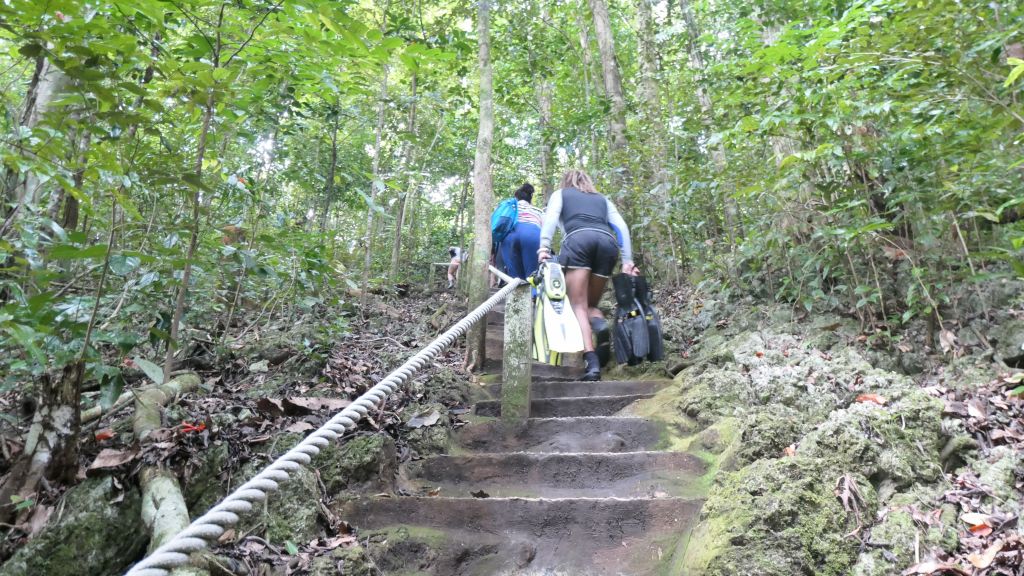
column 196, row 536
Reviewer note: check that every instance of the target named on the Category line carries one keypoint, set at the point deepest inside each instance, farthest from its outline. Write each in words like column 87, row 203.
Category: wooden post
column 516, row 363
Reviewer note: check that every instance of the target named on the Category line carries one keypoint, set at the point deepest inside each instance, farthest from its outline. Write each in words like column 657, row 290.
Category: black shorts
column 591, row 249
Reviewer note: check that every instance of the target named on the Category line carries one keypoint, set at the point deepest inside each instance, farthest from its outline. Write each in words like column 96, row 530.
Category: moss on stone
column 352, row 561
column 893, row 445
column 427, row 440
column 768, row 432
column 92, row 535
column 897, row 538
column 369, row 462
column 776, row 517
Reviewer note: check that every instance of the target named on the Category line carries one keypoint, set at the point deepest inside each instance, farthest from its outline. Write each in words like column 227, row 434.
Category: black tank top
column 582, row 210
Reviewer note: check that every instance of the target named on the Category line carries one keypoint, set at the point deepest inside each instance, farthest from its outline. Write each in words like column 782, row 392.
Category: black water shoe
column 593, row 367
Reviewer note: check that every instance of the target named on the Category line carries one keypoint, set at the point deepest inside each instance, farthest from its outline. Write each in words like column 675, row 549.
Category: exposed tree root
column 164, row 510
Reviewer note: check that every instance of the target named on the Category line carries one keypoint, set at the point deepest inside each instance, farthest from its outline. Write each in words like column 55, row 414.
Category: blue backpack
column 504, row 218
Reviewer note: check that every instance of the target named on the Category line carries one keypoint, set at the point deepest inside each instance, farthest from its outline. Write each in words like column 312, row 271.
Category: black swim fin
column 602, row 336
column 656, row 344
column 630, row 333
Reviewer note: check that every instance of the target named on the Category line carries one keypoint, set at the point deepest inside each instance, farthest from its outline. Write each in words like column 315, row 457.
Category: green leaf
column 27, row 338
column 1015, row 73
column 1018, row 391
column 123, row 265
column 155, row 373
column 110, row 390
column 291, row 548
column 68, row 252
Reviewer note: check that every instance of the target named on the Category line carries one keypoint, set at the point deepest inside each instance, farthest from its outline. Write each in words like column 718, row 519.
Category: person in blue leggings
column 519, row 248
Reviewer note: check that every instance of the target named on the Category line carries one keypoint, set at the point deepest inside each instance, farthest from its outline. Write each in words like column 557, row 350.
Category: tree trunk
column 370, row 219
column 610, row 70
column 186, row 274
column 547, row 184
column 47, row 83
column 589, row 81
column 51, row 445
column 483, row 193
column 329, row 185
column 396, row 248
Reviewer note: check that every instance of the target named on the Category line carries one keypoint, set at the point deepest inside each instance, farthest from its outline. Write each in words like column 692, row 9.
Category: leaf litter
column 990, row 542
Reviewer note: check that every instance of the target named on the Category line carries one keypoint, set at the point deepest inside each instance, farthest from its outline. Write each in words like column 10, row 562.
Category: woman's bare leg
column 594, row 291
column 577, row 281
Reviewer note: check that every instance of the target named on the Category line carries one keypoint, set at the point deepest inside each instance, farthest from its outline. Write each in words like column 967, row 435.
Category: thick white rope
column 210, row 526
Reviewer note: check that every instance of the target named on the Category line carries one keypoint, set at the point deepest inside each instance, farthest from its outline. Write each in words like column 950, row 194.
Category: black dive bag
column 656, row 351
column 630, row 335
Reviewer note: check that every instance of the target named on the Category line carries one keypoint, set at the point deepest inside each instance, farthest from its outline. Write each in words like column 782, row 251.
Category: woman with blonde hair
column 589, row 250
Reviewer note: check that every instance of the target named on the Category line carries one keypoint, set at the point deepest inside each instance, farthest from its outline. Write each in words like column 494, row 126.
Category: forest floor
column 840, row 449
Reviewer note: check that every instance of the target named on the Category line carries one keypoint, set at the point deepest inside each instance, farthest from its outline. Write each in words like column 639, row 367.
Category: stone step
column 545, row 372
column 575, row 389
column 586, row 475
column 606, row 536
column 545, row 435
column 565, row 407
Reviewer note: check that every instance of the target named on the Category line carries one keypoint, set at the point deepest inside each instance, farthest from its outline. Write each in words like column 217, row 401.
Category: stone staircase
column 577, row 490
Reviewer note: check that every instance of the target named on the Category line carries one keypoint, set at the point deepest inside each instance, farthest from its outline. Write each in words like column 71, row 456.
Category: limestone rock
column 897, row 537
column 1008, row 340
column 369, row 462
column 777, row 517
column 92, row 535
column 896, row 444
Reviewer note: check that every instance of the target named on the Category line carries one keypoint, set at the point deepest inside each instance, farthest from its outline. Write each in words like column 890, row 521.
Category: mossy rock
column 999, row 470
column 443, row 386
column 776, row 517
column 369, row 462
column 205, row 486
column 290, row 513
column 427, row 440
column 92, row 535
column 351, row 561
column 898, row 538
column 768, row 432
column 896, row 445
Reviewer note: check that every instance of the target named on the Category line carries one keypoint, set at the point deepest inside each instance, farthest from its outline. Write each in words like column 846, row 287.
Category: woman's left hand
column 630, row 269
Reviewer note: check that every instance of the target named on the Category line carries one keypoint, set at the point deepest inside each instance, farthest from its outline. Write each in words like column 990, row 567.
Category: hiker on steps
column 593, row 230
column 453, row 265
column 515, row 226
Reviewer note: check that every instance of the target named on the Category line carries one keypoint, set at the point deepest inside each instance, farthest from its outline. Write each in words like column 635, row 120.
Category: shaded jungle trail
column 784, row 444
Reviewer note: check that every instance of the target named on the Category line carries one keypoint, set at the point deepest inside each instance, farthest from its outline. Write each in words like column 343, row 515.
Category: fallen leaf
column 340, row 541
column 871, row 398
column 421, row 420
column 227, row 537
column 110, row 458
column 300, row 427
column 933, row 567
column 789, row 451
column 947, row 341
column 38, row 520
column 976, row 409
column 893, row 253
column 270, row 406
column 104, row 434
column 261, row 366
column 904, row 347
column 985, row 559
column 300, row 406
column 975, row 518
column 981, row 530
